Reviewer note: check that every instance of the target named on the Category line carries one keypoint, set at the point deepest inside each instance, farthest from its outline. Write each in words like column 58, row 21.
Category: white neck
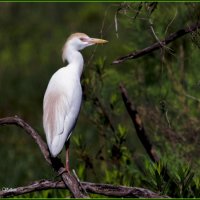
column 74, row 58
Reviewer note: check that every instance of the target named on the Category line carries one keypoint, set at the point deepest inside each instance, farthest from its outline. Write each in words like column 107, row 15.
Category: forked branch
column 68, row 180
column 102, row 189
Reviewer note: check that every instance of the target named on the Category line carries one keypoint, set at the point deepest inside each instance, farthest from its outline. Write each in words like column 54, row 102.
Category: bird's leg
column 67, row 159
column 67, row 155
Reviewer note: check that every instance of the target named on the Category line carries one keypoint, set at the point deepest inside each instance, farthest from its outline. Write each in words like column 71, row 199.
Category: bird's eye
column 83, row 39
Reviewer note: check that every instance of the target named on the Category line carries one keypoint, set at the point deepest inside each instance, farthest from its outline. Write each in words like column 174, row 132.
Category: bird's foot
column 64, row 170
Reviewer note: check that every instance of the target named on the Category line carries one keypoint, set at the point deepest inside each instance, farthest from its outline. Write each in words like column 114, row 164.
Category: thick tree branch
column 56, row 163
column 67, row 179
column 102, row 189
column 138, row 125
column 120, row 191
column 158, row 45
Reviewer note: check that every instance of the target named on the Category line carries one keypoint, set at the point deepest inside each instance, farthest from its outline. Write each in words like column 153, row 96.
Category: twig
column 153, row 32
column 77, row 178
column 116, row 22
column 192, row 97
column 56, row 163
column 102, row 189
column 156, row 37
column 166, row 30
column 158, row 45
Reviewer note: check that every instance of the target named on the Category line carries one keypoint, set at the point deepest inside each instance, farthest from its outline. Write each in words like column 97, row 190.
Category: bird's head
column 79, row 41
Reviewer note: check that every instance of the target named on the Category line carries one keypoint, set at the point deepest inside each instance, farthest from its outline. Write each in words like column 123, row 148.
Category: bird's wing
column 55, row 109
column 61, row 106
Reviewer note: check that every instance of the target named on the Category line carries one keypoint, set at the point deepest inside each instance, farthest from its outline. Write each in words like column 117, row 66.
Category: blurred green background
column 164, row 85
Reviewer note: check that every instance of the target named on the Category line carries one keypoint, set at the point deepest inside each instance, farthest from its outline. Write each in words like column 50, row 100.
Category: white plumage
column 62, row 100
column 62, row 103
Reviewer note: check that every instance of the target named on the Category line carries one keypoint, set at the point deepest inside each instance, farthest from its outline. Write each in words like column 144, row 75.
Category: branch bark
column 76, row 188
column 70, row 181
column 158, row 45
column 135, row 117
column 102, row 189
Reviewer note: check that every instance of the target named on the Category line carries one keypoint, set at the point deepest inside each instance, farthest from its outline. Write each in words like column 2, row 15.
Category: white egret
column 62, row 99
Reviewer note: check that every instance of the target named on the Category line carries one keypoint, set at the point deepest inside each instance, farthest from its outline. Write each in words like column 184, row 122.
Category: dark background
column 164, row 85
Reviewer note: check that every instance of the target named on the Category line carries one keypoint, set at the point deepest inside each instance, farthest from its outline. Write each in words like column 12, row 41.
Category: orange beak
column 98, row 41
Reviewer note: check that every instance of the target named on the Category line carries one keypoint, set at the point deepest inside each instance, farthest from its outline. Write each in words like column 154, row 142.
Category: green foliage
column 179, row 182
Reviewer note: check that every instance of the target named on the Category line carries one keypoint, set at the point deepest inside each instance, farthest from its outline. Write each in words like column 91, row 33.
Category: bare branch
column 102, row 189
column 56, row 163
column 34, row 187
column 120, row 191
column 138, row 125
column 116, row 22
column 192, row 97
column 158, row 45
column 77, row 188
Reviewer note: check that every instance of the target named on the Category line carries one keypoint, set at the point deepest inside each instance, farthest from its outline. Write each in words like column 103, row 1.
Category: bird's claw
column 63, row 171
